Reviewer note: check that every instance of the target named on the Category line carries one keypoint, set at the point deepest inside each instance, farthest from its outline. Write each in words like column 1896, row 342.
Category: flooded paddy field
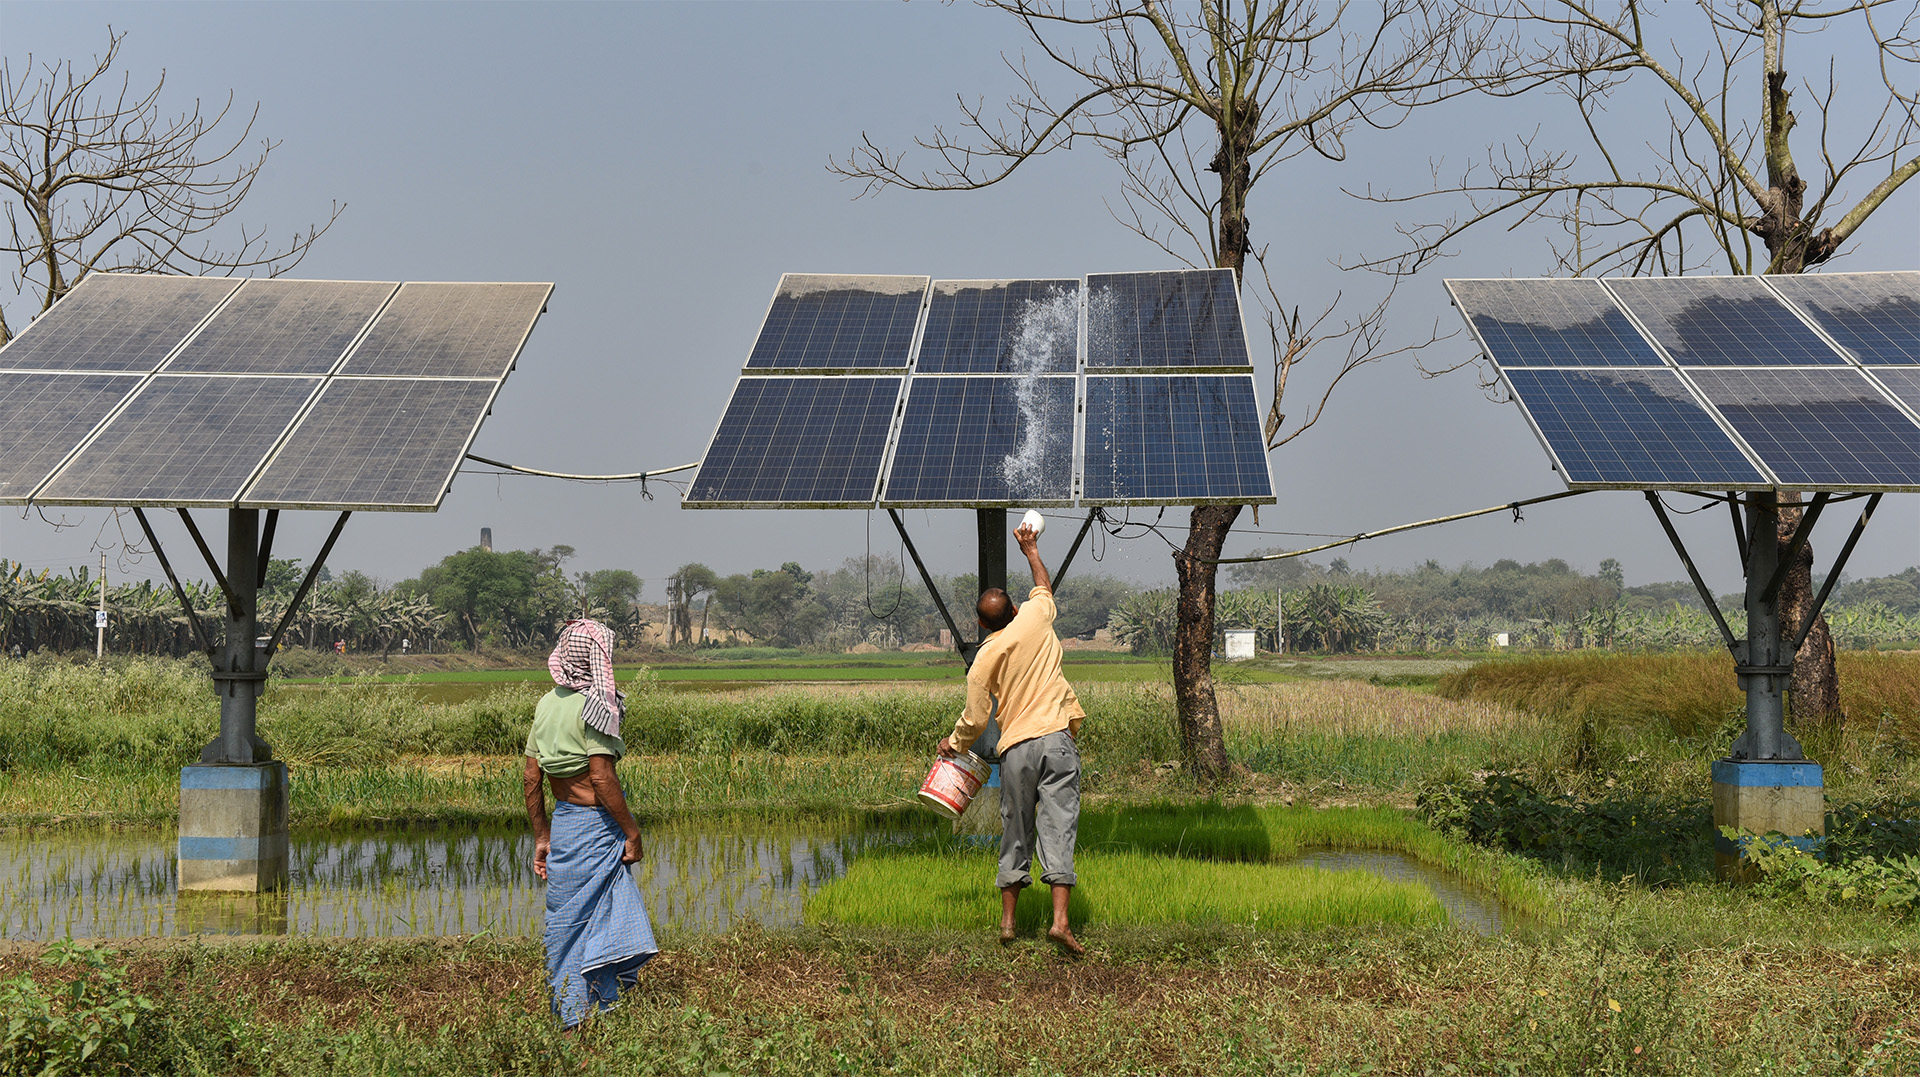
column 698, row 880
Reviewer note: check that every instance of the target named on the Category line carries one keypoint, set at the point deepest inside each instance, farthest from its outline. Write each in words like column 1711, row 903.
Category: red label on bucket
column 952, row 783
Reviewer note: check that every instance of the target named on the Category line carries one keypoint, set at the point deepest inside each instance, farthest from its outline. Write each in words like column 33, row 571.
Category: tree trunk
column 1814, row 692
column 1200, row 732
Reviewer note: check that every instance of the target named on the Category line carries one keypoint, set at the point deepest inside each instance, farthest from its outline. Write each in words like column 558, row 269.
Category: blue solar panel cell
column 1876, row 316
column 123, row 322
column 1818, row 429
column 1722, row 321
column 984, row 441
column 283, row 327
column 1551, row 323
column 798, row 442
column 830, row 321
column 1173, row 439
column 1182, row 318
column 1638, row 428
column 1001, row 327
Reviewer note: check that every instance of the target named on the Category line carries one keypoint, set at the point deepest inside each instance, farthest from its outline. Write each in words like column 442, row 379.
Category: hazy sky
column 663, row 164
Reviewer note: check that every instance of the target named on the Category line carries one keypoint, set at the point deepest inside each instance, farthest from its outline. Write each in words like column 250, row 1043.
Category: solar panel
column 1001, row 327
column 1902, row 382
column 1721, row 321
column 116, row 322
column 1876, row 316
column 821, row 321
column 441, row 330
column 381, row 443
column 47, row 416
column 802, row 442
column 1173, row 439
column 283, row 327
column 1551, row 323
column 1818, row 429
column 1183, row 318
column 984, row 441
column 183, row 440
column 1631, row 428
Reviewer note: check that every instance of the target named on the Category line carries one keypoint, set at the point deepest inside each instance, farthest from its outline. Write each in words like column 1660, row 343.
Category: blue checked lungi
column 598, row 934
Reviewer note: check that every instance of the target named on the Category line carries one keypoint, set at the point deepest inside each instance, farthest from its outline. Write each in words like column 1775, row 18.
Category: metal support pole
column 1693, row 573
column 240, row 670
column 100, row 615
column 1765, row 668
column 1066, row 562
column 993, row 548
column 959, row 642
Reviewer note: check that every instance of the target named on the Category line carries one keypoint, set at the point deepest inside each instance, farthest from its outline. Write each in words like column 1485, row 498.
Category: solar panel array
column 154, row 390
column 1130, row 388
column 1800, row 382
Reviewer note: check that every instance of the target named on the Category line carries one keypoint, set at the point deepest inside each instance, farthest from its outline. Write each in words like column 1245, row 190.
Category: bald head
column 995, row 609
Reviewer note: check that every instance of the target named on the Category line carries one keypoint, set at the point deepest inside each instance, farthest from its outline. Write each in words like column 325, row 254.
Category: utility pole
column 100, row 615
column 1279, row 621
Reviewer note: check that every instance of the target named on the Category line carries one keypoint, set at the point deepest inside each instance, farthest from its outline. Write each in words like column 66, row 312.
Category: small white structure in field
column 1498, row 639
column 1239, row 643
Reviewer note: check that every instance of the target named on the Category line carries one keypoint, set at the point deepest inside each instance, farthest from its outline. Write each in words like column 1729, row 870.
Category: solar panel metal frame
column 879, row 474
column 1077, row 409
column 1087, row 454
column 913, row 342
column 247, row 501
column 1086, row 319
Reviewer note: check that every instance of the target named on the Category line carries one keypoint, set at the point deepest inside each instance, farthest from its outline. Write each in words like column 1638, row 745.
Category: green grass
column 956, row 890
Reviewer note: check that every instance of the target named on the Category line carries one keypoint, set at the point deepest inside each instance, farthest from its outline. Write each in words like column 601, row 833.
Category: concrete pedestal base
column 983, row 815
column 1758, row 798
column 233, row 827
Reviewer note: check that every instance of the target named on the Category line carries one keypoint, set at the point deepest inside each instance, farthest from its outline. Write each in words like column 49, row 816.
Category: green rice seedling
column 956, row 890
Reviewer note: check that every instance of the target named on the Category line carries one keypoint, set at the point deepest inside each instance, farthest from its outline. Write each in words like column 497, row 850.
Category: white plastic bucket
column 952, row 783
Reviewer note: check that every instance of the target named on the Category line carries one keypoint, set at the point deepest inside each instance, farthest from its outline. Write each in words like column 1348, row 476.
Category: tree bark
column 1200, row 731
column 1814, row 691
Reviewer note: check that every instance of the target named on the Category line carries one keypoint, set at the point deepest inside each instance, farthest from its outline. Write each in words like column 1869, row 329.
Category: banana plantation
column 56, row 612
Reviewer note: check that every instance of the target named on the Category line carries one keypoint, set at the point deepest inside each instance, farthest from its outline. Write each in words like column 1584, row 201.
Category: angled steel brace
column 179, row 592
column 966, row 649
column 1833, row 574
column 1800, row 536
column 219, row 577
column 1699, row 584
column 1061, row 573
column 1739, row 525
column 313, row 573
column 266, row 547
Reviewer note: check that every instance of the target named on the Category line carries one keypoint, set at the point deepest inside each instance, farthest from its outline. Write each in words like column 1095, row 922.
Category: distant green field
column 916, row 667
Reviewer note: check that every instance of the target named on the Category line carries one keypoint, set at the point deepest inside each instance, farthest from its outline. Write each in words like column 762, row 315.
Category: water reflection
column 115, row 885
column 1467, row 906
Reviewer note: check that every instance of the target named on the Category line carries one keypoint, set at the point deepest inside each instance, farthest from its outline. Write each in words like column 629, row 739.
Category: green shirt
column 561, row 740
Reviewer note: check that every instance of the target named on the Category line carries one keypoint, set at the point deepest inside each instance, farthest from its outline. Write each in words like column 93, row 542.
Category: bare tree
column 1196, row 105
column 98, row 176
column 1722, row 189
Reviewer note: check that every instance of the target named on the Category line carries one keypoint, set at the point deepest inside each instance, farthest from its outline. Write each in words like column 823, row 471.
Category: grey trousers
column 1039, row 797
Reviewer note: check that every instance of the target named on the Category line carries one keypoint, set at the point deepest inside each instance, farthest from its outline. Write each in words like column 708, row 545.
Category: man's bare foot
column 1006, row 934
column 1063, row 937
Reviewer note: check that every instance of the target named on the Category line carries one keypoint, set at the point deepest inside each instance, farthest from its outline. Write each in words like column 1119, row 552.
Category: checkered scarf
column 583, row 662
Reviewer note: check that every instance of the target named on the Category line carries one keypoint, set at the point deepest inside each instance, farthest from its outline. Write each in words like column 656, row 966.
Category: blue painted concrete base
column 233, row 827
column 1765, row 797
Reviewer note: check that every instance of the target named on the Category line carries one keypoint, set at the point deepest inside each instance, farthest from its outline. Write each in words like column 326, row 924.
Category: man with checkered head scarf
column 598, row 934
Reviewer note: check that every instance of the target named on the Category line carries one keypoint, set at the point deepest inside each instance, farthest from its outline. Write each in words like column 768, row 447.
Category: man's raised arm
column 1029, row 541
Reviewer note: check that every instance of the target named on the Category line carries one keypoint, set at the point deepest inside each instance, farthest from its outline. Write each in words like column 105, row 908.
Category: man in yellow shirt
column 1018, row 666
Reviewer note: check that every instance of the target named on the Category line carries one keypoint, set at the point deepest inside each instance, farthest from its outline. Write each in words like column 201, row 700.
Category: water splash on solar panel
column 1046, row 327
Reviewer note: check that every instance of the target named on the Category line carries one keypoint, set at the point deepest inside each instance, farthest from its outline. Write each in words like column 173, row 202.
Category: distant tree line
column 519, row 598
